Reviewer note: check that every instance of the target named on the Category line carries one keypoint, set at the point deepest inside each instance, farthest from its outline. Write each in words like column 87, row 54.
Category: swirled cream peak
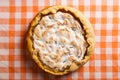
column 60, row 40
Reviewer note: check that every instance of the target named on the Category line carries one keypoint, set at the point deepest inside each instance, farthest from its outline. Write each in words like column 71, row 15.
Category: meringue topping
column 60, row 40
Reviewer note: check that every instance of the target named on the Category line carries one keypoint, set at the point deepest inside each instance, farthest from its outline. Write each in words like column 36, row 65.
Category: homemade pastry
column 60, row 39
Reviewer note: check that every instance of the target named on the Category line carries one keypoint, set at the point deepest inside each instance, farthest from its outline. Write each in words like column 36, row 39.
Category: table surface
column 15, row 16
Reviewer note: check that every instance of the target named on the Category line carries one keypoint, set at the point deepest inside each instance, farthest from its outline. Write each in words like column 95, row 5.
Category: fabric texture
column 15, row 16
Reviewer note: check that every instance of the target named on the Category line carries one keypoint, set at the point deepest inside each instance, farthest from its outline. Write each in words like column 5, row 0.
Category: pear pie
column 60, row 39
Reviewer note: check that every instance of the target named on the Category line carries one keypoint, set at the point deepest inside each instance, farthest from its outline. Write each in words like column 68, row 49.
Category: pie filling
column 59, row 38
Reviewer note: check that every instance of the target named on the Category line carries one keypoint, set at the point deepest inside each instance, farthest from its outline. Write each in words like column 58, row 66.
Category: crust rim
column 90, row 38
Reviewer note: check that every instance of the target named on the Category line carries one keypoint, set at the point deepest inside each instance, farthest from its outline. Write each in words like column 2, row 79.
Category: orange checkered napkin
column 15, row 16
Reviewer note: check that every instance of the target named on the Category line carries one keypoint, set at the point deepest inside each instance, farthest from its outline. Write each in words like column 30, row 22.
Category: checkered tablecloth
column 15, row 16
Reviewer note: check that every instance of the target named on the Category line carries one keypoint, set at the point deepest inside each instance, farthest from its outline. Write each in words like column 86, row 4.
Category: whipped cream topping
column 60, row 40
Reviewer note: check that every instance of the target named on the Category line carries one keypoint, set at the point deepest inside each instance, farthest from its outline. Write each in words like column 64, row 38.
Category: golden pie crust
column 87, row 28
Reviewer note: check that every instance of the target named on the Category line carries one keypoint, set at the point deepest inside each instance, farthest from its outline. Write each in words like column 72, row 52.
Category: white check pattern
column 15, row 16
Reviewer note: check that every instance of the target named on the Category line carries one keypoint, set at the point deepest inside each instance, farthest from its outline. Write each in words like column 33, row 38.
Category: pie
column 60, row 39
